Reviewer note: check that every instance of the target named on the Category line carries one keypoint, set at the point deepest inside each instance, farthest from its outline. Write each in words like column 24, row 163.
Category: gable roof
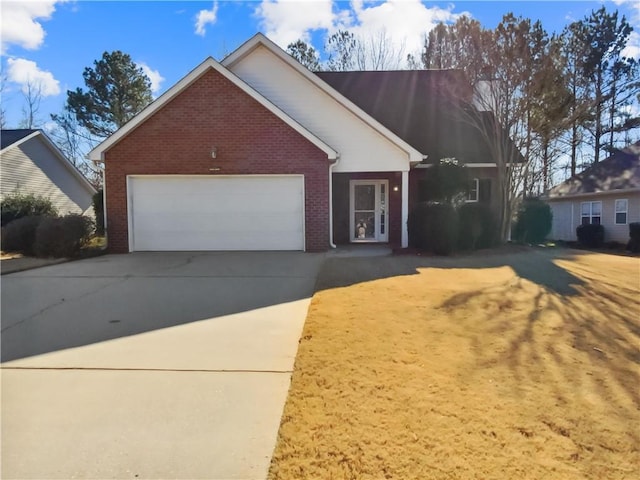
column 413, row 105
column 9, row 137
column 259, row 39
column 97, row 154
column 620, row 171
column 15, row 138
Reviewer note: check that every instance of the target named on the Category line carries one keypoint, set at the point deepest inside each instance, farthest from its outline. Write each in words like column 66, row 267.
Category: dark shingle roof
column 9, row 137
column 413, row 105
column 621, row 171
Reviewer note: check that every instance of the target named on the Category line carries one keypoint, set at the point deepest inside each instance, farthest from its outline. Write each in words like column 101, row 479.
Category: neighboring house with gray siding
column 31, row 163
column 607, row 193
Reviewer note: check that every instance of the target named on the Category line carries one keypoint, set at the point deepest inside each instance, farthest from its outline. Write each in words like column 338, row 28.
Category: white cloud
column 206, row 17
column 285, row 21
column 404, row 21
column 634, row 8
column 25, row 72
column 154, row 76
column 19, row 23
column 632, row 49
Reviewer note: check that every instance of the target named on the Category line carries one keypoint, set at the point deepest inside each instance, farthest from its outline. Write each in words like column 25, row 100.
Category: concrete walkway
column 150, row 365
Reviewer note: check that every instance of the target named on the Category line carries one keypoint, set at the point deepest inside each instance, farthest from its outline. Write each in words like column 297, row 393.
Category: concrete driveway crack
column 62, row 302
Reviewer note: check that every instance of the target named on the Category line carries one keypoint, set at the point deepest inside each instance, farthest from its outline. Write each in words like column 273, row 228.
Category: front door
column 368, row 210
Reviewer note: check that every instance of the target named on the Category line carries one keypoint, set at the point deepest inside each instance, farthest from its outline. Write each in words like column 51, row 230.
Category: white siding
column 564, row 226
column 32, row 167
column 361, row 148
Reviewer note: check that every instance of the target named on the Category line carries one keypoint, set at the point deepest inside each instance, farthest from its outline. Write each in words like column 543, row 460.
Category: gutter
column 331, row 167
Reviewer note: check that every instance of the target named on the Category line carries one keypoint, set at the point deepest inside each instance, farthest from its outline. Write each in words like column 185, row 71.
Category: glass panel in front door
column 364, row 212
column 364, row 197
column 364, row 222
column 382, row 208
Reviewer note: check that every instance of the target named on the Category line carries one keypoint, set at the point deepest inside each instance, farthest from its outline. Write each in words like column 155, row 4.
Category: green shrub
column 634, row 237
column 19, row 235
column 98, row 209
column 445, row 181
column 533, row 223
column 63, row 236
column 478, row 226
column 433, row 227
column 18, row 205
column 590, row 235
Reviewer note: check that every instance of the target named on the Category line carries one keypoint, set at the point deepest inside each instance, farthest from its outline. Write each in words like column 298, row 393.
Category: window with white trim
column 591, row 213
column 622, row 205
column 472, row 194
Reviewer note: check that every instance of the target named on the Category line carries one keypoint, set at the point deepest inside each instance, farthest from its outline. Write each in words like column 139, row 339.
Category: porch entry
column 368, row 205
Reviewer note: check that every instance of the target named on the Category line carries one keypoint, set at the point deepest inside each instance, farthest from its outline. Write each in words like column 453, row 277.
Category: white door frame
column 381, row 209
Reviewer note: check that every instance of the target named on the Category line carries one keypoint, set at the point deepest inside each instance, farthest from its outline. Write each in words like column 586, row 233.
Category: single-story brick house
column 30, row 163
column 258, row 153
column 607, row 193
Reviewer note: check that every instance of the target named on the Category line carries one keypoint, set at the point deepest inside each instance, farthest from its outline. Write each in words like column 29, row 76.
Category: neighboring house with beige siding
column 607, row 193
column 31, row 163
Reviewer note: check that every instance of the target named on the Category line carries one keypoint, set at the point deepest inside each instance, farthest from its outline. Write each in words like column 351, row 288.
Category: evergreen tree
column 305, row 54
column 117, row 89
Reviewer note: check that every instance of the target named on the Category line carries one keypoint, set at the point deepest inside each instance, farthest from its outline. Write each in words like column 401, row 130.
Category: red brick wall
column 341, row 219
column 250, row 139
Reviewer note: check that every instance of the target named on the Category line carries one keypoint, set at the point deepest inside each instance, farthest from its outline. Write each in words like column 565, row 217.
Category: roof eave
column 552, row 198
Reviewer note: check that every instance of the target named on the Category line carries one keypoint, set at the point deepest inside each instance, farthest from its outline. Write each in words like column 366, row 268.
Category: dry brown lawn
column 502, row 365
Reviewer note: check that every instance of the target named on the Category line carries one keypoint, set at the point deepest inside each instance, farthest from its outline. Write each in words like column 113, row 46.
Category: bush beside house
column 19, row 236
column 18, row 205
column 62, row 236
column 48, row 236
column 433, row 227
column 634, row 237
column 478, row 226
column 444, row 222
column 533, row 223
column 590, row 235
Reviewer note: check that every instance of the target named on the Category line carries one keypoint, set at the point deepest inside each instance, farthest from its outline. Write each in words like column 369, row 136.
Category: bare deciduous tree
column 32, row 94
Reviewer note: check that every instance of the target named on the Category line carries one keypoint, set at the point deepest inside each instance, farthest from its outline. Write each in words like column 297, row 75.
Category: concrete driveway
column 150, row 365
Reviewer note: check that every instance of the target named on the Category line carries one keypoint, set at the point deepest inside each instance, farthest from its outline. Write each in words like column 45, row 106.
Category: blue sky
column 51, row 42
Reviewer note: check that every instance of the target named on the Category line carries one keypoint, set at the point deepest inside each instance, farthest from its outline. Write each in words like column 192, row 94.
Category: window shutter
column 484, row 190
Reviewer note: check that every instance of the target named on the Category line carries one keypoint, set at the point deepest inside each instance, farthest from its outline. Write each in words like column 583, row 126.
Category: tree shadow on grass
column 531, row 264
column 583, row 346
column 581, row 330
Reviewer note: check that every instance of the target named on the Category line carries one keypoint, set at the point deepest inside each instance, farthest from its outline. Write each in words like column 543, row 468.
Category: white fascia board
column 260, row 39
column 602, row 193
column 466, row 165
column 97, row 154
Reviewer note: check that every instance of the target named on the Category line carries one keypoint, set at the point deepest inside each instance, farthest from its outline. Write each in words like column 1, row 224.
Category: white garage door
column 216, row 213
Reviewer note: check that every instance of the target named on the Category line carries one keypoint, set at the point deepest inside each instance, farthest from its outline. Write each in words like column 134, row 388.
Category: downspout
column 331, row 167
column 104, row 194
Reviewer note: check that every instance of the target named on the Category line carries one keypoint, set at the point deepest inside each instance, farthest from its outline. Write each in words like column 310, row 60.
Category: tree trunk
column 598, row 134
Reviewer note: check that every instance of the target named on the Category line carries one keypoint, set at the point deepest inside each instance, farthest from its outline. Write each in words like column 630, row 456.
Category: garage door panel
column 217, row 213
